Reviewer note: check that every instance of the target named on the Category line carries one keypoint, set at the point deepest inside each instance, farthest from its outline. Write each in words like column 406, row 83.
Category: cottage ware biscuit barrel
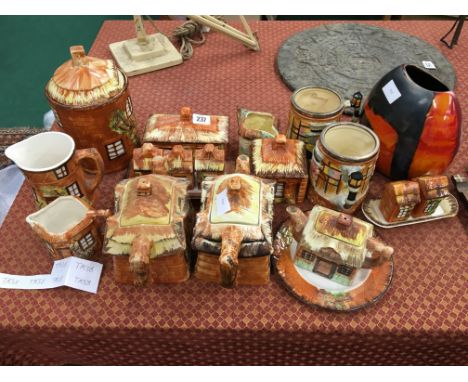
column 342, row 165
column 90, row 99
column 313, row 109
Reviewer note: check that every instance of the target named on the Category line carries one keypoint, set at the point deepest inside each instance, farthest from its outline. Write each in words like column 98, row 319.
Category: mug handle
column 92, row 179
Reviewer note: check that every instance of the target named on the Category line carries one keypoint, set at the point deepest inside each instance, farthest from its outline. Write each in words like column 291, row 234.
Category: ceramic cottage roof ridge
column 92, row 81
column 209, row 158
column 433, row 186
column 405, row 192
column 260, row 234
column 169, row 128
column 316, row 236
column 165, row 233
column 272, row 160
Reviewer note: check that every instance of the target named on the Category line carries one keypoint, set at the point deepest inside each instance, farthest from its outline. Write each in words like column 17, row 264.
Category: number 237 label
column 201, row 119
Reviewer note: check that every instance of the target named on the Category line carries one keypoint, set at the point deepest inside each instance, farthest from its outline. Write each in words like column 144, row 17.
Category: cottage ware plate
column 447, row 208
column 368, row 286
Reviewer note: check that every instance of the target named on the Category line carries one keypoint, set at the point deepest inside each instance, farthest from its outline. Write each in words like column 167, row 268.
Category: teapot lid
column 84, row 80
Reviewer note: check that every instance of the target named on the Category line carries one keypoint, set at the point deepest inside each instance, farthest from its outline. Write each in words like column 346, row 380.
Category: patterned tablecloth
column 421, row 320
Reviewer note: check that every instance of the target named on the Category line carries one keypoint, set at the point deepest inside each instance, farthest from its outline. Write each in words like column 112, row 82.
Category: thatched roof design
column 251, row 210
column 405, row 192
column 325, row 238
column 209, row 158
column 179, row 129
column 158, row 216
column 92, row 82
column 279, row 157
column 433, row 187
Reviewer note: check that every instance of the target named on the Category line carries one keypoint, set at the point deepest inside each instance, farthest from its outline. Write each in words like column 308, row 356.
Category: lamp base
column 135, row 58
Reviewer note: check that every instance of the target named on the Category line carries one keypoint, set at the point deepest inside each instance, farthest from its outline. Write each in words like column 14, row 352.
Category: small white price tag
column 391, row 92
column 200, row 119
column 222, row 203
column 429, row 65
column 72, row 272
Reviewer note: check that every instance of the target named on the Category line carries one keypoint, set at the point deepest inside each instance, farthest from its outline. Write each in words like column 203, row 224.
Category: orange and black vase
column 418, row 121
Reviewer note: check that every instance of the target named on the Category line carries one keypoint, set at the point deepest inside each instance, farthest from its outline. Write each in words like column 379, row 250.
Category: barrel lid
column 317, row 102
column 84, row 80
column 350, row 141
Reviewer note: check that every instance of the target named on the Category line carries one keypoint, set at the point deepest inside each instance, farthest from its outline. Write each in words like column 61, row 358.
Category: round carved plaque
column 353, row 57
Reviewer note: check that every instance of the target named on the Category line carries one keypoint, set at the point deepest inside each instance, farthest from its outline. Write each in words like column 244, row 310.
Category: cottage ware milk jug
column 54, row 168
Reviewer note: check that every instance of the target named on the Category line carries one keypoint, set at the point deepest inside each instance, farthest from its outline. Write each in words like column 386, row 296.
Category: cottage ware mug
column 54, row 168
column 342, row 165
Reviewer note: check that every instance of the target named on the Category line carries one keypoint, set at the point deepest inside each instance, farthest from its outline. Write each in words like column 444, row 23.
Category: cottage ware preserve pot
column 68, row 228
column 342, row 165
column 54, row 168
column 313, row 109
column 284, row 161
column 418, row 121
column 90, row 99
column 148, row 234
column 233, row 231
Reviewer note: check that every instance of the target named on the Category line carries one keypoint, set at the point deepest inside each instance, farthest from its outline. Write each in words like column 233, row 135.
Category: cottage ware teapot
column 54, row 168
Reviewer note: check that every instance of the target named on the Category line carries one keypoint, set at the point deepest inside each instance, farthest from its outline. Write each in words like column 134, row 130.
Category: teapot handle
column 92, row 178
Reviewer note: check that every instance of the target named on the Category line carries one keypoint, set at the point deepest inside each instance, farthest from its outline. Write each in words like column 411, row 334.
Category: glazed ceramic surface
column 418, row 121
column 254, row 125
column 282, row 160
column 233, row 230
column 90, row 100
column 367, row 287
column 148, row 233
column 342, row 165
column 313, row 109
column 67, row 226
column 54, row 168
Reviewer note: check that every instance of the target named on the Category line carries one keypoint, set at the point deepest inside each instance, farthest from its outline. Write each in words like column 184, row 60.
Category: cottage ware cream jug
column 54, row 168
column 68, row 228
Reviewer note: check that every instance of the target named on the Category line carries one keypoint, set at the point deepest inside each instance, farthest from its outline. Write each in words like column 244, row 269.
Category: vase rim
column 436, row 85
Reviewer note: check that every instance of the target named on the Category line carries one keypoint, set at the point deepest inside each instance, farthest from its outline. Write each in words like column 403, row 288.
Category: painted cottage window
column 344, row 270
column 61, row 172
column 86, row 241
column 331, row 177
column 431, row 206
column 115, row 150
column 74, row 190
column 405, row 211
column 279, row 189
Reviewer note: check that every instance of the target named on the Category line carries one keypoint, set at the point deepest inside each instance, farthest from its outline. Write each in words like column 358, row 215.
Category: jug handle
column 92, row 179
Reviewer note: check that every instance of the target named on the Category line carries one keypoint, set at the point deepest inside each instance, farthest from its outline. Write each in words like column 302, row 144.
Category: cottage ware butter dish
column 233, row 231
column 90, row 99
column 147, row 235
column 68, row 228
column 331, row 259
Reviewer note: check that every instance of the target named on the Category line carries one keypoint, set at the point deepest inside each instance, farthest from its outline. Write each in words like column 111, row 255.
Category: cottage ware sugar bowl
column 54, row 168
column 282, row 160
column 90, row 99
column 233, row 231
column 68, row 228
column 148, row 234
